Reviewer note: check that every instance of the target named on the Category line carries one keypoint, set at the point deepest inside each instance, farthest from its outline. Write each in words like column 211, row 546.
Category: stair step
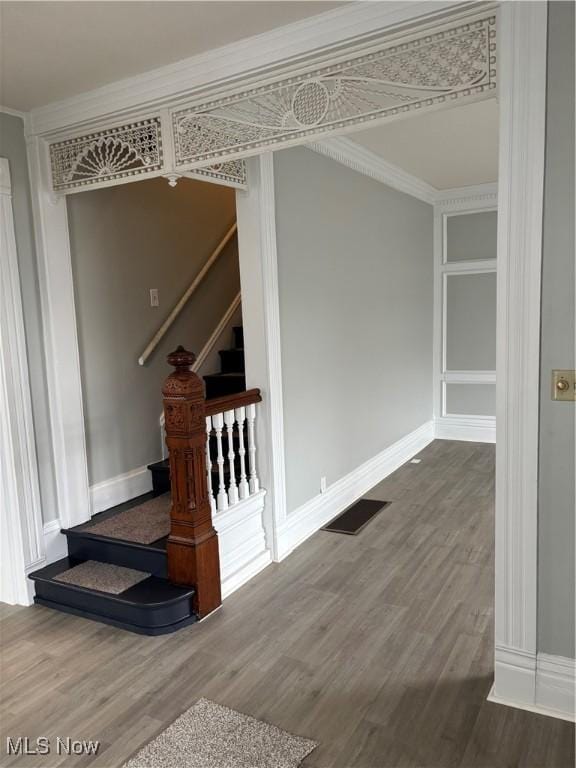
column 232, row 360
column 85, row 542
column 154, row 606
column 238, row 331
column 220, row 384
column 160, row 477
column 83, row 545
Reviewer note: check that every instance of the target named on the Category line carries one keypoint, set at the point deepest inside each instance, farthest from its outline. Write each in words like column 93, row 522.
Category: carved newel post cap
column 181, row 359
column 183, row 382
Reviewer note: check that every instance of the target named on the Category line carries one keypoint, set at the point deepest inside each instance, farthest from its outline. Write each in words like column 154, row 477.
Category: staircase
column 230, row 380
column 116, row 571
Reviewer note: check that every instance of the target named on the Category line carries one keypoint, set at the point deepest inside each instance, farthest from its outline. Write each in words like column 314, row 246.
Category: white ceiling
column 53, row 50
column 455, row 147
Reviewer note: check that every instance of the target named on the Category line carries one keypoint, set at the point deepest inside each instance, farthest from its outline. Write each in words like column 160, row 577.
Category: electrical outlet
column 322, row 485
column 154, row 300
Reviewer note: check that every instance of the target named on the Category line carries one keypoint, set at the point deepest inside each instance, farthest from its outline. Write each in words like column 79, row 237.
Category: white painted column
column 22, row 544
column 60, row 340
column 522, row 83
column 261, row 319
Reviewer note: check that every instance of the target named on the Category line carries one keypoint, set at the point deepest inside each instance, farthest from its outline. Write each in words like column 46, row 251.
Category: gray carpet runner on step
column 103, row 577
column 143, row 524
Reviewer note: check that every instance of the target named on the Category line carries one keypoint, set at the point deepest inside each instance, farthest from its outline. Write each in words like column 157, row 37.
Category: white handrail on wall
column 184, row 299
column 205, row 351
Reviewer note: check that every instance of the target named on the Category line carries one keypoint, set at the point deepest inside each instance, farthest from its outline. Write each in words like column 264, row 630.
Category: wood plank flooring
column 378, row 646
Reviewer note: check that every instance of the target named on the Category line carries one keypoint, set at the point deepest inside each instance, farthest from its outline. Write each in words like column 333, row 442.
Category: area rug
column 211, row 736
column 353, row 520
column 103, row 577
column 143, row 524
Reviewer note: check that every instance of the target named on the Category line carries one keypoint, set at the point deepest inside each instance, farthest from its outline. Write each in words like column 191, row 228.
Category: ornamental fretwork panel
column 231, row 172
column 116, row 153
column 123, row 154
column 415, row 75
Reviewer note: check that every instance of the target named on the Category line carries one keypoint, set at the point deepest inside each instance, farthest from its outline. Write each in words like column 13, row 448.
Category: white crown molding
column 13, row 112
column 349, row 153
column 352, row 155
column 319, row 35
column 461, row 198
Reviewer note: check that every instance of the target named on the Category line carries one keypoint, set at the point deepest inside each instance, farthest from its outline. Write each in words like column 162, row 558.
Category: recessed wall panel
column 471, row 236
column 471, row 399
column 471, row 322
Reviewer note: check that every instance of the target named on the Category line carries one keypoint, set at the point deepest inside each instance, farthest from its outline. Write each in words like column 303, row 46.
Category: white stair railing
column 230, row 425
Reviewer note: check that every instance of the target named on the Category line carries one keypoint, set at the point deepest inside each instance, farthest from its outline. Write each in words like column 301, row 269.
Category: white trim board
column 537, row 682
column 347, row 152
column 218, row 69
column 475, row 429
column 522, row 108
column 22, row 543
column 242, row 542
column 522, row 69
column 312, row 515
column 14, row 112
column 55, row 544
column 116, row 490
column 352, row 155
column 256, row 215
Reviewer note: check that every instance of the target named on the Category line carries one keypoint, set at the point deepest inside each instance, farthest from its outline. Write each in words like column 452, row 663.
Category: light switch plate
column 154, row 299
column 563, row 385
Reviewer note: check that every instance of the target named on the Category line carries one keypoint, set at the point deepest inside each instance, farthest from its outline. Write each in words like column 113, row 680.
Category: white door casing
column 20, row 513
column 521, row 78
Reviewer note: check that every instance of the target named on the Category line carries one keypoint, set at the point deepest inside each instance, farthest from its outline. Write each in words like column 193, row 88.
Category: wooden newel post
column 192, row 549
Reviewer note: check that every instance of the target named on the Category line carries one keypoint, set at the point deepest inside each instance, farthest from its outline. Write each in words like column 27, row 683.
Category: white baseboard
column 242, row 542
column 556, row 684
column 476, row 429
column 54, row 542
column 535, row 682
column 118, row 489
column 312, row 515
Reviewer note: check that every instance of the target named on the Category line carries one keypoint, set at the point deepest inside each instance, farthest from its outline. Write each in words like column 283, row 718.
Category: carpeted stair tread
column 143, row 524
column 102, row 577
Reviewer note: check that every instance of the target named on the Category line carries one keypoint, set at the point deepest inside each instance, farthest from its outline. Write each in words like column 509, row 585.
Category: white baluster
column 243, row 488
column 209, row 465
column 254, row 483
column 232, row 487
column 221, row 497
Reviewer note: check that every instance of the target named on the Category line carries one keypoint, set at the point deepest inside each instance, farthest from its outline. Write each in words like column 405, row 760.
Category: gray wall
column 556, row 482
column 355, row 270
column 13, row 147
column 126, row 240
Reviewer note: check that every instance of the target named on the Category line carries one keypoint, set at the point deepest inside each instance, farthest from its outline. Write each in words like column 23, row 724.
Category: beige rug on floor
column 143, row 524
column 211, row 736
column 103, row 577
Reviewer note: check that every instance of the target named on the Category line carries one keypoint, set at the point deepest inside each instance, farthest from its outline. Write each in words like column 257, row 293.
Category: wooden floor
column 378, row 646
